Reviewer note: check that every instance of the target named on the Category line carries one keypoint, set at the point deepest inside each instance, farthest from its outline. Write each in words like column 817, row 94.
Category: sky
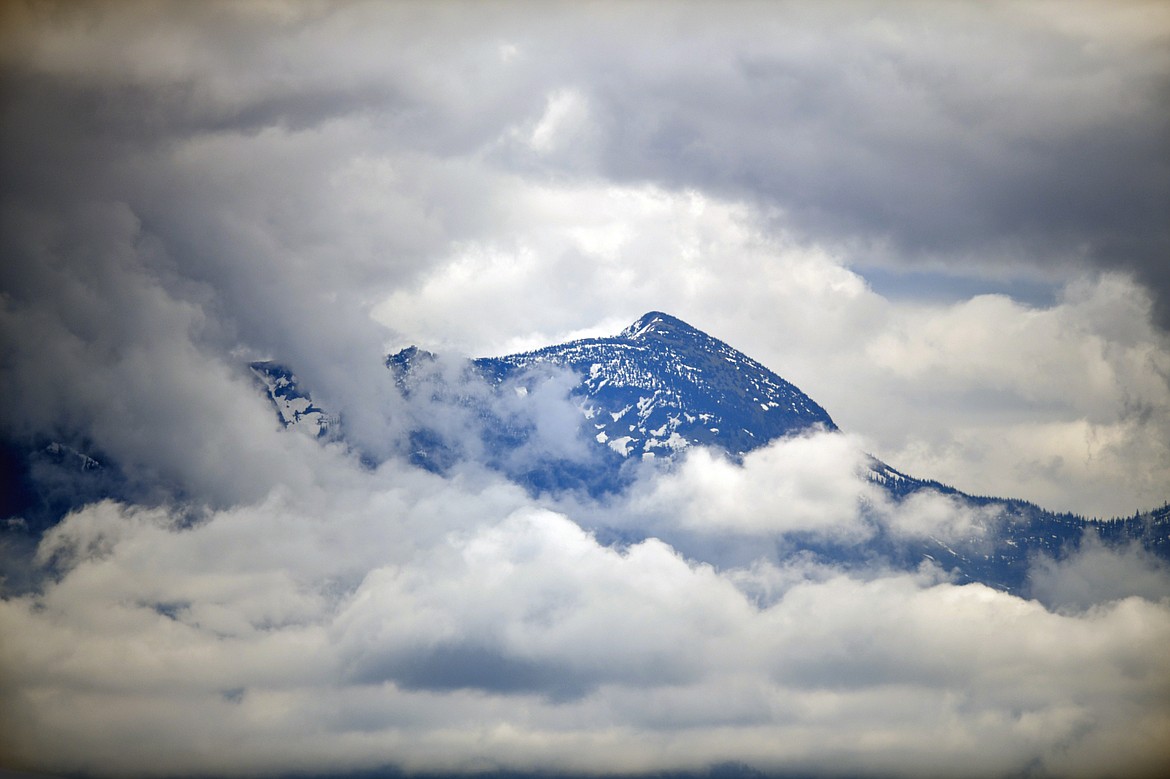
column 947, row 223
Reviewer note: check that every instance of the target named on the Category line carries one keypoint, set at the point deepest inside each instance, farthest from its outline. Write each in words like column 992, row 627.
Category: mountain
column 637, row 400
column 655, row 389
column 661, row 386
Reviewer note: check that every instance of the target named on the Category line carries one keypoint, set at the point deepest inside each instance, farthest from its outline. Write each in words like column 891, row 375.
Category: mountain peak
column 662, row 385
column 657, row 323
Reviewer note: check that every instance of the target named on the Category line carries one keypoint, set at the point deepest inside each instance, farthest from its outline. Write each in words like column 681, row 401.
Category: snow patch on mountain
column 294, row 406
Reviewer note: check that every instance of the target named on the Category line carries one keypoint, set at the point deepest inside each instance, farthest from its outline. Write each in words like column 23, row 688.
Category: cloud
column 813, row 484
column 1097, row 574
column 532, row 605
column 932, row 514
column 967, row 137
column 98, row 350
column 1058, row 400
column 396, row 618
column 561, row 122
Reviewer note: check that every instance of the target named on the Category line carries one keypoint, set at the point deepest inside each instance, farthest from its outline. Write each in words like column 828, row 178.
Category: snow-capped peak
column 662, row 385
column 657, row 323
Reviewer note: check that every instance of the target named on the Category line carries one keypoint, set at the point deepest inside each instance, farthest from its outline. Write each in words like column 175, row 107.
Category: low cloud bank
column 391, row 617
